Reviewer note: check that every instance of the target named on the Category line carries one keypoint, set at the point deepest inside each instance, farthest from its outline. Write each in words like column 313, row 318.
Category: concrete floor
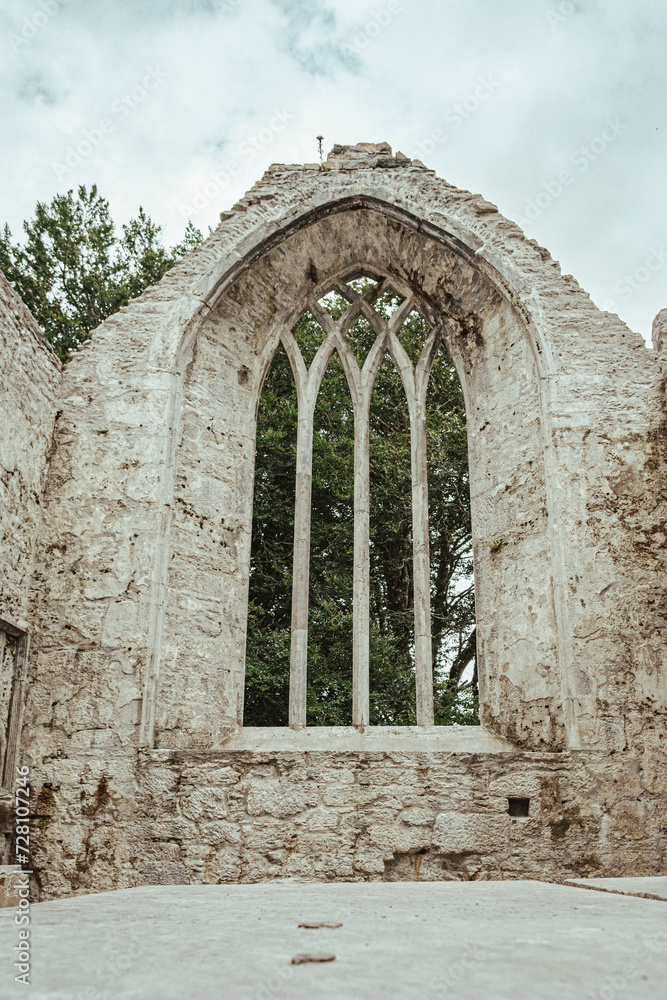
column 463, row 940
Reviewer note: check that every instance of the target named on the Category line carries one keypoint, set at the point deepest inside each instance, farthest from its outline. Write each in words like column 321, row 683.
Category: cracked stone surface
column 497, row 940
column 650, row 887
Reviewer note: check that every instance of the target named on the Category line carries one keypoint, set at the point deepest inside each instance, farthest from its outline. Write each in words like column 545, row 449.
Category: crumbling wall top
column 366, row 155
column 659, row 332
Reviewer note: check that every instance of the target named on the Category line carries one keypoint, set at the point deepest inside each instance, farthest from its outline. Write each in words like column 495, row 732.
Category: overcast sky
column 553, row 110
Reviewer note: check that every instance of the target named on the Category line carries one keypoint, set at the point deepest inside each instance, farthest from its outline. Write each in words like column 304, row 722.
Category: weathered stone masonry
column 30, row 379
column 208, row 817
column 136, row 597
column 30, row 384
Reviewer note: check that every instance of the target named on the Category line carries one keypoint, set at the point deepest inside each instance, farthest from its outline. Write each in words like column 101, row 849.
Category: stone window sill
column 453, row 739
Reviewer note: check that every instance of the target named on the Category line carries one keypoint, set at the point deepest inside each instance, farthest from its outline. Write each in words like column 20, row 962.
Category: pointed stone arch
column 547, row 379
column 296, row 273
column 550, row 707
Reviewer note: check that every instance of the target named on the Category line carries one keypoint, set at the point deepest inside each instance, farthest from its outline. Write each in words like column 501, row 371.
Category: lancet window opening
column 361, row 295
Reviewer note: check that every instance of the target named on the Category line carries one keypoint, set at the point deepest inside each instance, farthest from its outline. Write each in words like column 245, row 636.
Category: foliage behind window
column 392, row 682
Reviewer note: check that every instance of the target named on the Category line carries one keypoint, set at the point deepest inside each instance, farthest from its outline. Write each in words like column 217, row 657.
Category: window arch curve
column 496, row 349
column 361, row 315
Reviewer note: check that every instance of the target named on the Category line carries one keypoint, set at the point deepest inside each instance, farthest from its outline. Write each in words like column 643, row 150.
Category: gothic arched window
column 368, row 331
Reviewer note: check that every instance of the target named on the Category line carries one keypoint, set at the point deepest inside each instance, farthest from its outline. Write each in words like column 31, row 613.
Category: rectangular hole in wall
column 518, row 806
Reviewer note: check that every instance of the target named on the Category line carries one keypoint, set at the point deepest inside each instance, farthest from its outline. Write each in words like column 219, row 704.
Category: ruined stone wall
column 140, row 582
column 141, row 586
column 97, row 584
column 29, row 387
column 201, row 682
column 30, row 380
column 190, row 818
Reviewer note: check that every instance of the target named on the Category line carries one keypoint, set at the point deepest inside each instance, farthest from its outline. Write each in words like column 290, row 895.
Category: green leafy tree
column 73, row 270
column 392, row 682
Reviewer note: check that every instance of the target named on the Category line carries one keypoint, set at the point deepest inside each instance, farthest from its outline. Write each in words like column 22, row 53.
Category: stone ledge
column 424, row 739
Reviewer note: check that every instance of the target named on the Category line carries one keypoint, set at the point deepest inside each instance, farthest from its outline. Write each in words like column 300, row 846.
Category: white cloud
column 353, row 70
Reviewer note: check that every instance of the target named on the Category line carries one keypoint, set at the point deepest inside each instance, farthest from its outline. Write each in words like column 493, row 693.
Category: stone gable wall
column 139, row 586
column 30, row 376
column 141, row 590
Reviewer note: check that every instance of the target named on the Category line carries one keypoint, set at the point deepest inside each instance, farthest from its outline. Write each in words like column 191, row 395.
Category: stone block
column 476, row 833
column 399, row 839
column 320, row 818
column 273, row 798
column 415, row 816
column 10, row 876
column 369, row 863
column 205, row 803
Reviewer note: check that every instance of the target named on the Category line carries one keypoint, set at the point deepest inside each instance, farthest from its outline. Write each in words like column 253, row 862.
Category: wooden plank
column 10, row 628
column 16, row 704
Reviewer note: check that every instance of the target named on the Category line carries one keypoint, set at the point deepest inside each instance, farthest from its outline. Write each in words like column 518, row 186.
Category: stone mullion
column 421, row 559
column 307, row 386
column 375, row 321
column 301, row 558
column 414, row 384
column 361, row 385
column 361, row 582
column 421, row 537
column 361, row 558
column 301, row 566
